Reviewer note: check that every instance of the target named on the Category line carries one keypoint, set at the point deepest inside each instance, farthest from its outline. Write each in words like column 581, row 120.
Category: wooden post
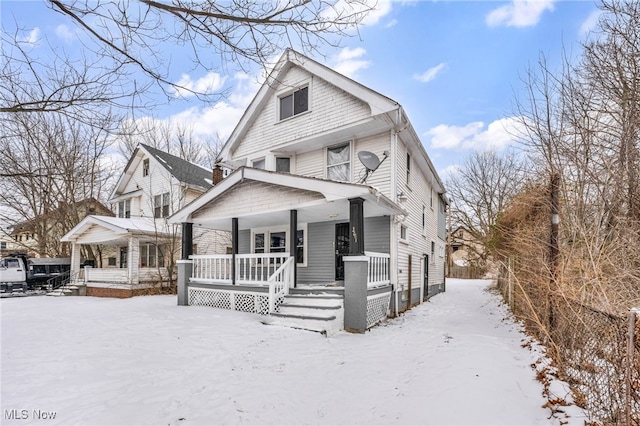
column 409, row 298
column 234, row 248
column 630, row 364
column 293, row 242
column 554, row 250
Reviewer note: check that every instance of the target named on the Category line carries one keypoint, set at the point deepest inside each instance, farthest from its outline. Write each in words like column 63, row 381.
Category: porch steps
column 323, row 313
column 65, row 290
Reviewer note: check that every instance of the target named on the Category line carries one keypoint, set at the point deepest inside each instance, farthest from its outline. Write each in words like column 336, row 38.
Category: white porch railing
column 121, row 275
column 250, row 268
column 279, row 284
column 378, row 273
column 270, row 269
column 106, row 275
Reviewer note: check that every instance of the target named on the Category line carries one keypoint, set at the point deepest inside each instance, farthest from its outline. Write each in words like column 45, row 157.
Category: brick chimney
column 217, row 175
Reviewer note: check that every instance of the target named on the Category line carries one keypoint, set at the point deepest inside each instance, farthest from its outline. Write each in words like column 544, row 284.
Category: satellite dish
column 371, row 162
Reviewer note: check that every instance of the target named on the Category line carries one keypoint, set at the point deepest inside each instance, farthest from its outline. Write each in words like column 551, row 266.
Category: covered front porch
column 290, row 235
column 137, row 250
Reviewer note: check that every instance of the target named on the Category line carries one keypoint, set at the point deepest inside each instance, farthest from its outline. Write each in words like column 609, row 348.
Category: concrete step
column 317, row 290
column 327, row 324
column 309, row 310
column 314, row 299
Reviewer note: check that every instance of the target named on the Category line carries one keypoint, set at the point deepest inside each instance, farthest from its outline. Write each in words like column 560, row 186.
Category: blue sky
column 453, row 65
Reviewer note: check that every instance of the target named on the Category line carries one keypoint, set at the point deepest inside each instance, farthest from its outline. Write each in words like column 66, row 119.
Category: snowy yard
column 455, row 360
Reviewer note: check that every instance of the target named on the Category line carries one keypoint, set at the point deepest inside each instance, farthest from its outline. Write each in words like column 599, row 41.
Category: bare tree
column 176, row 138
column 51, row 163
column 124, row 39
column 480, row 191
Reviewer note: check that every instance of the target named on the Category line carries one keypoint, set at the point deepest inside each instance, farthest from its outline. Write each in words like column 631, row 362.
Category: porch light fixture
column 402, row 197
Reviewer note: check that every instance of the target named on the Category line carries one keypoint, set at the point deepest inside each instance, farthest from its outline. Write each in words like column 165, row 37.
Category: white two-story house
column 153, row 185
column 331, row 194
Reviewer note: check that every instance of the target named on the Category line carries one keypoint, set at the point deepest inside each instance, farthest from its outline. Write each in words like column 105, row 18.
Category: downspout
column 394, row 196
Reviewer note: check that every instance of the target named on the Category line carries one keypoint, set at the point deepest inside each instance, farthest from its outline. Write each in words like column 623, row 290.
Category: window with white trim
column 408, row 169
column 259, row 164
column 404, row 233
column 124, row 209
column 161, row 205
column 151, row 256
column 339, row 162
column 294, row 103
column 283, row 164
column 145, row 167
column 276, row 240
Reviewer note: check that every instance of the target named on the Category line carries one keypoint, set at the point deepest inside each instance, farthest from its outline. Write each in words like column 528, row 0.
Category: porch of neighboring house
column 139, row 264
column 302, row 261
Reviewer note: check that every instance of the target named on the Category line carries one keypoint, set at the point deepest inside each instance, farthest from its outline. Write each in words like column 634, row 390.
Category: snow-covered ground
column 455, row 360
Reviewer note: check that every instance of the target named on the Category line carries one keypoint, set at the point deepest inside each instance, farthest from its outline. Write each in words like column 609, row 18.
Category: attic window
column 294, row 103
column 145, row 167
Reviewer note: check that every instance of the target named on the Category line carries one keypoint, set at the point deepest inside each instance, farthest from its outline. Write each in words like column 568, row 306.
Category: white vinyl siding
column 330, row 108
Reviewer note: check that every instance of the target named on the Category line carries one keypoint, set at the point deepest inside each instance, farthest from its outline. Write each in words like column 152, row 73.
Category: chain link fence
column 596, row 352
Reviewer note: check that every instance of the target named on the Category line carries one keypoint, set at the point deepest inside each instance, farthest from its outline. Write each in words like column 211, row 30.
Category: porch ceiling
column 262, row 198
column 319, row 211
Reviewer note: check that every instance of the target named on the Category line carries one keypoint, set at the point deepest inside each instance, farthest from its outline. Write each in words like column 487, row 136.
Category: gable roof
column 184, row 171
column 378, row 103
column 117, row 227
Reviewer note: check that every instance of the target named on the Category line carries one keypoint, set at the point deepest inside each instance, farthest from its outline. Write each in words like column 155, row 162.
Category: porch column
column 293, row 242
column 75, row 259
column 133, row 261
column 356, row 226
column 185, row 270
column 355, row 293
column 187, row 240
column 234, row 248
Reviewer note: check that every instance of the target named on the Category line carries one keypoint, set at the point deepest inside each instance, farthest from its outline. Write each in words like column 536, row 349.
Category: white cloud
column 497, row 135
column 380, row 8
column 391, row 23
column 63, row 32
column 590, row 23
column 210, row 83
column 32, row 38
column 519, row 13
column 429, row 74
column 450, row 170
column 347, row 62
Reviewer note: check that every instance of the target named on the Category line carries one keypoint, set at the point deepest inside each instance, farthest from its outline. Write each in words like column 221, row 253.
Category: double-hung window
column 161, row 205
column 151, row 256
column 339, row 162
column 124, row 209
column 294, row 103
column 145, row 167
column 277, row 241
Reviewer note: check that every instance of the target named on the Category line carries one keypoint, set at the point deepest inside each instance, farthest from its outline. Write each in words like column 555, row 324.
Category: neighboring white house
column 153, row 185
column 299, row 202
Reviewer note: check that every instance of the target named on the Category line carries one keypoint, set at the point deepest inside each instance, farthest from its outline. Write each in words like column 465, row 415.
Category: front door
column 425, row 278
column 123, row 257
column 342, row 248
